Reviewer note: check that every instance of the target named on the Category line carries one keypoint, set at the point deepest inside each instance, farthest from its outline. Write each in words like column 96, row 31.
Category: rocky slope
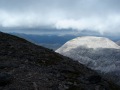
column 25, row 66
column 97, row 53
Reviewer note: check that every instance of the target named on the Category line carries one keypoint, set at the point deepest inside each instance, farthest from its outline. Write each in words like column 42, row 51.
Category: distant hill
column 57, row 38
column 48, row 41
column 26, row 66
column 98, row 53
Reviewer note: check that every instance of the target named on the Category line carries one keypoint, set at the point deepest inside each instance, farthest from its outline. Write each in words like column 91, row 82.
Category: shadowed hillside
column 25, row 66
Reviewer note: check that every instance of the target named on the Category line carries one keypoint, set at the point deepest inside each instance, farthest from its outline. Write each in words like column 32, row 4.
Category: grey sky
column 96, row 15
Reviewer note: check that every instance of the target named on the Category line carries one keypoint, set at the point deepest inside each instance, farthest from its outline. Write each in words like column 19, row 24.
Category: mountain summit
column 26, row 66
column 88, row 42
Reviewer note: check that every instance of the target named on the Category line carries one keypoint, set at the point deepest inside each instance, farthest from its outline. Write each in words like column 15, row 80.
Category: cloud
column 28, row 19
column 96, row 15
column 101, row 24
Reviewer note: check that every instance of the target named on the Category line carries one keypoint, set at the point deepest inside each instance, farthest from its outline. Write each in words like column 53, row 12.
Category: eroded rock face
column 25, row 66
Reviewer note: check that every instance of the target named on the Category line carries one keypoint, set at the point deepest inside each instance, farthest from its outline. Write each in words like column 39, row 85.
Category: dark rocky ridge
column 25, row 66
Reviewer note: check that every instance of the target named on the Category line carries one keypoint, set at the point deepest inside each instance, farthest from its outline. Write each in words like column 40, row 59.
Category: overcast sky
column 95, row 15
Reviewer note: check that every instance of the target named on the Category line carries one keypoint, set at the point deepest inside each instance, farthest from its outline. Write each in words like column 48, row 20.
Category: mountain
column 98, row 53
column 26, row 66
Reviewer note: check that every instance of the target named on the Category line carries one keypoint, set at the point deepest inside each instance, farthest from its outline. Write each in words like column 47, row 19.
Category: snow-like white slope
column 89, row 42
column 98, row 53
